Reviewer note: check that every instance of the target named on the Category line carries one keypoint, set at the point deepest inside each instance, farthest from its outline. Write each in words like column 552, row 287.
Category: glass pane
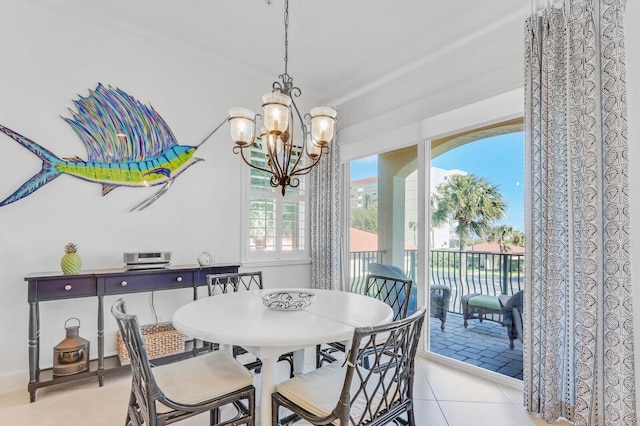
column 293, row 225
column 260, row 179
column 384, row 215
column 262, row 224
column 363, row 231
column 477, row 248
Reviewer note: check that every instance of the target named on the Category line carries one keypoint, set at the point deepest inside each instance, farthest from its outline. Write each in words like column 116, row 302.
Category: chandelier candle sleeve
column 323, row 121
column 242, row 122
column 275, row 108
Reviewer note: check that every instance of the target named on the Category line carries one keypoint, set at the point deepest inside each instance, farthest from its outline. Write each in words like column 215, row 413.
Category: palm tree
column 503, row 235
column 517, row 238
column 471, row 201
column 413, row 225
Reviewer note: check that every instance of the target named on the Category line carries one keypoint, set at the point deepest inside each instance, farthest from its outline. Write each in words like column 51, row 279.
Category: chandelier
column 286, row 156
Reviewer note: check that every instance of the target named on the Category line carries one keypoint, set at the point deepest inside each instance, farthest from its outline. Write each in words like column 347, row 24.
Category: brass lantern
column 71, row 356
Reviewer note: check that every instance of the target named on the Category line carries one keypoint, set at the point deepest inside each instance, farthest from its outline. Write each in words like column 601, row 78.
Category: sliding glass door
column 468, row 214
column 476, row 247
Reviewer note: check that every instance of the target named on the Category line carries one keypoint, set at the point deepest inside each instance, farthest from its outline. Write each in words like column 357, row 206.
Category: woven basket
column 160, row 340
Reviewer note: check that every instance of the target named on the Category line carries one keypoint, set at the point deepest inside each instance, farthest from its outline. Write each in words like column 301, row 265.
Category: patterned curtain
column 325, row 202
column 578, row 341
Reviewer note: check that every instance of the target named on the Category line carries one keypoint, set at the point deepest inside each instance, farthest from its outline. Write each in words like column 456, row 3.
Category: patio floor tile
column 484, row 344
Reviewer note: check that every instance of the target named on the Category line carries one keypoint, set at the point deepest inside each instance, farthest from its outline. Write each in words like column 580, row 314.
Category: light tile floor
column 444, row 396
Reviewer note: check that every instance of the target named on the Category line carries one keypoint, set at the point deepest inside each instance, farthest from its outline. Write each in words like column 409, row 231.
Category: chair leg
column 411, row 417
column 133, row 417
column 133, row 414
column 214, row 417
column 443, row 319
column 275, row 408
column 318, row 356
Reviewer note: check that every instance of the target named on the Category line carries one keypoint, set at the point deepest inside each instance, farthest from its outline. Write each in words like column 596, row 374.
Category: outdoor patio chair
column 350, row 394
column 242, row 281
column 476, row 306
column 512, row 316
column 394, row 291
column 169, row 393
column 439, row 295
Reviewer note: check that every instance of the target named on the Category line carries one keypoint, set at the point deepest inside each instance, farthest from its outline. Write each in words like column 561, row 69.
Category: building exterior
column 364, row 193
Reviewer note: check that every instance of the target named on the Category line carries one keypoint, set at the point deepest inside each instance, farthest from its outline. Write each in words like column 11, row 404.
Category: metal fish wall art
column 127, row 142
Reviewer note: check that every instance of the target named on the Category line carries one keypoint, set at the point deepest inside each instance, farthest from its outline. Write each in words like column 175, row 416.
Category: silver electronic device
column 147, row 259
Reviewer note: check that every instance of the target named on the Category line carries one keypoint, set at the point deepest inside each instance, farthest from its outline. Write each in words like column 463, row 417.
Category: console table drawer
column 63, row 288
column 146, row 282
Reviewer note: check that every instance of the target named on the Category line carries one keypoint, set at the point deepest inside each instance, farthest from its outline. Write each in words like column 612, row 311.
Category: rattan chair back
column 371, row 396
column 394, row 291
column 237, row 281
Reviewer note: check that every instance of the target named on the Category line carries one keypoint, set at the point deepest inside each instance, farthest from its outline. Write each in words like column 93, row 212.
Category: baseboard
column 10, row 382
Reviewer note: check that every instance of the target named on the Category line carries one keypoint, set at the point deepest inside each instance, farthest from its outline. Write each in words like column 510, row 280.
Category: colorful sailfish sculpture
column 128, row 144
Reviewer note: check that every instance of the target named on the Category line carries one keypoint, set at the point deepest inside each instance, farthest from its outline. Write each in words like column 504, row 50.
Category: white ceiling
column 337, row 48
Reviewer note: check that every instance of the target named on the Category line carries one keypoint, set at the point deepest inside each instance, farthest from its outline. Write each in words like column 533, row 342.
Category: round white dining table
column 241, row 319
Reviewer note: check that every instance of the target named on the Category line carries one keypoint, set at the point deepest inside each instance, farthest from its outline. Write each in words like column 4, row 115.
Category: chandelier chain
column 286, row 36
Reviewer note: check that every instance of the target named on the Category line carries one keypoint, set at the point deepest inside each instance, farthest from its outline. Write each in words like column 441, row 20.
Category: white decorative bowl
column 288, row 300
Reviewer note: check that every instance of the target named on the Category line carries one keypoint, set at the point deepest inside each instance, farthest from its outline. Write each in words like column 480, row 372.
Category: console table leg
column 100, row 340
column 34, row 352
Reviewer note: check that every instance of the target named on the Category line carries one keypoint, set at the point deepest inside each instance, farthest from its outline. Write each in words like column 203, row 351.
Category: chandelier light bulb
column 323, row 123
column 275, row 108
column 242, row 124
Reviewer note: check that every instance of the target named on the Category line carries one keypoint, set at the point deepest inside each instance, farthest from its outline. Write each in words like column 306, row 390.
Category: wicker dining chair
column 242, row 281
column 169, row 393
column 394, row 291
column 350, row 394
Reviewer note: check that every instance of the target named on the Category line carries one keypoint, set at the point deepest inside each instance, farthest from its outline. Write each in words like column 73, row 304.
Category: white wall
column 48, row 59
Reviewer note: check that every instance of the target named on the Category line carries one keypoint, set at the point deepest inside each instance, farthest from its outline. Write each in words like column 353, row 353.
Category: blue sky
column 499, row 159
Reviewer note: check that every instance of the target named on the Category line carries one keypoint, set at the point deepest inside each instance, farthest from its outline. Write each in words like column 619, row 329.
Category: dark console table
column 98, row 283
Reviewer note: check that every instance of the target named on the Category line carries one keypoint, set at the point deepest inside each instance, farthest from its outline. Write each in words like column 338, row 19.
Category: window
column 276, row 224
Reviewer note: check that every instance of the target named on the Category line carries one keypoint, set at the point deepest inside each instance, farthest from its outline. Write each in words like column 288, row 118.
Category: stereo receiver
column 147, row 259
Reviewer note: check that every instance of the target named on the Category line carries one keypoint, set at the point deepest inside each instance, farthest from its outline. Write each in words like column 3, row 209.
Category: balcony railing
column 463, row 272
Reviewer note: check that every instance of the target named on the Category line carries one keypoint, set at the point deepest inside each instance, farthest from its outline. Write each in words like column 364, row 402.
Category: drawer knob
column 179, row 279
column 124, row 283
column 67, row 287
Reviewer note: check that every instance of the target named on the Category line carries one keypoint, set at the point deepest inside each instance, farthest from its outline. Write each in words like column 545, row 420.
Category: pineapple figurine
column 71, row 262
